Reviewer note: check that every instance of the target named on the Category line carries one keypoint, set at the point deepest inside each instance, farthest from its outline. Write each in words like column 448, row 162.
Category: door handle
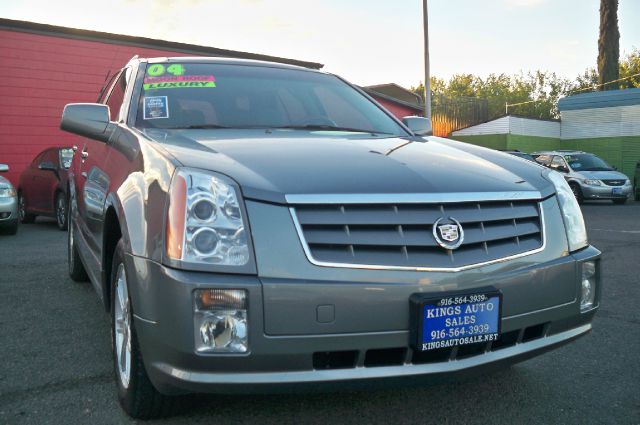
column 84, row 174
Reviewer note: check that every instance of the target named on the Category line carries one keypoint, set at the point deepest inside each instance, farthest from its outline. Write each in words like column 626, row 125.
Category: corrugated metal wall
column 40, row 74
column 532, row 127
column 498, row 126
column 601, row 122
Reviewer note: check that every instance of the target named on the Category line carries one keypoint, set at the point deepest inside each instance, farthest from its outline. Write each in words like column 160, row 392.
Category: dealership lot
column 56, row 360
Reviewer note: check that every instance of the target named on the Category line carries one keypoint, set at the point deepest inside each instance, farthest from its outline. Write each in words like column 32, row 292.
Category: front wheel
column 10, row 229
column 577, row 192
column 61, row 211
column 137, row 395
column 25, row 217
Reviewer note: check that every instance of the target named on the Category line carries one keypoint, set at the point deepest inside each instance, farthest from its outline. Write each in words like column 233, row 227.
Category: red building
column 398, row 100
column 45, row 67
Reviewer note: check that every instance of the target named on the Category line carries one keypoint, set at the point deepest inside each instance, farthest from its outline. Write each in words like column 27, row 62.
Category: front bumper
column 605, row 192
column 163, row 303
column 8, row 210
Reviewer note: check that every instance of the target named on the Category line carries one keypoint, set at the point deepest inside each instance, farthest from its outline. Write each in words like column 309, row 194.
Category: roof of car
column 226, row 61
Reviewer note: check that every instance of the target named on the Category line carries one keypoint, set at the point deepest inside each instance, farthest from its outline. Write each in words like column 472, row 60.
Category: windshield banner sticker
column 179, row 81
column 156, row 107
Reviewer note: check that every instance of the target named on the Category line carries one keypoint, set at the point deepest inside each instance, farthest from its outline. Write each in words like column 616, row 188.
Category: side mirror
column 418, row 125
column 4, row 168
column 87, row 119
column 47, row 165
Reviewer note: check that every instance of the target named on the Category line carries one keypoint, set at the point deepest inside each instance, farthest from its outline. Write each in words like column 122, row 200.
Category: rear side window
column 557, row 162
column 116, row 97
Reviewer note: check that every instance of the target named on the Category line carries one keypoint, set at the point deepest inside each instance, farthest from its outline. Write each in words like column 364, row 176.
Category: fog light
column 220, row 320
column 588, row 291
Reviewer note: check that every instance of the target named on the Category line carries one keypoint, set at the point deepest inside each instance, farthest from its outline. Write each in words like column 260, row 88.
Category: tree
column 629, row 70
column 608, row 45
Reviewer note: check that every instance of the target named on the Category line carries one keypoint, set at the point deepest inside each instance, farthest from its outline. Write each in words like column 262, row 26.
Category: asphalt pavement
column 56, row 367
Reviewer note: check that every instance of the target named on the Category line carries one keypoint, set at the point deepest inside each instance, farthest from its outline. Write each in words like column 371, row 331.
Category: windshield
column 205, row 95
column 586, row 162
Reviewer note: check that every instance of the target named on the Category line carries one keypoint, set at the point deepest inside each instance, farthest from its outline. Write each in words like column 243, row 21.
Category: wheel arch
column 112, row 233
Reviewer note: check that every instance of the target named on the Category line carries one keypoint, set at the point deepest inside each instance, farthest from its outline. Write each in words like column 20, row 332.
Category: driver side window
column 558, row 163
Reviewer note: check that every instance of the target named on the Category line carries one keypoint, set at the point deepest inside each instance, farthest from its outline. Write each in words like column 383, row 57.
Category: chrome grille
column 616, row 182
column 401, row 235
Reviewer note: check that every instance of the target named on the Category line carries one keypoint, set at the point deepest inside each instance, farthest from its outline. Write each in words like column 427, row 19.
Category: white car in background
column 8, row 204
column 589, row 176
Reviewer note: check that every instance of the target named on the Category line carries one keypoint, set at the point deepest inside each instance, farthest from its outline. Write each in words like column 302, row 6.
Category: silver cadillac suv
column 251, row 226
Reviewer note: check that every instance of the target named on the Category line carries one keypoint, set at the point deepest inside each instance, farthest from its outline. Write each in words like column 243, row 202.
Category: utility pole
column 427, row 77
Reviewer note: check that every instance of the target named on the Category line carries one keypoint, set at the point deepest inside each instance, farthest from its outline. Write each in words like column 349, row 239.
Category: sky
column 365, row 41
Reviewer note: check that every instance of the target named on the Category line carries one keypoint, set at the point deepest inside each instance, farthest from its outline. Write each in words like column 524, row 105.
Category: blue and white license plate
column 457, row 319
column 616, row 191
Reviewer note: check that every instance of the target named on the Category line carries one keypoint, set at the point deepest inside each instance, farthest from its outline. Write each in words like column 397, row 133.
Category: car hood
column 270, row 165
column 601, row 175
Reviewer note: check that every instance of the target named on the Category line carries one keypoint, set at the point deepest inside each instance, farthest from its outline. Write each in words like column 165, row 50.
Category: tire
column 577, row 192
column 619, row 201
column 25, row 217
column 10, row 229
column 77, row 272
column 60, row 207
column 136, row 394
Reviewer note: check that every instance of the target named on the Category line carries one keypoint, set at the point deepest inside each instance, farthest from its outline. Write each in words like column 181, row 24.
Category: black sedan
column 43, row 186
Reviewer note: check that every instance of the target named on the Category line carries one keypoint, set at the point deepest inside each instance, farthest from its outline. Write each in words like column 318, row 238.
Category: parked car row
column 43, row 187
column 41, row 191
column 589, row 176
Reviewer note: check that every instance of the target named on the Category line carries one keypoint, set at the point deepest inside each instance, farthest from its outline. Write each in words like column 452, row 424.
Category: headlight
column 205, row 224
column 573, row 221
column 592, row 182
column 7, row 192
column 627, row 182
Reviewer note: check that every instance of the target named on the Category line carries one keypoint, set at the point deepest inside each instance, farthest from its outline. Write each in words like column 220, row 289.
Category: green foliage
column 629, row 67
column 534, row 95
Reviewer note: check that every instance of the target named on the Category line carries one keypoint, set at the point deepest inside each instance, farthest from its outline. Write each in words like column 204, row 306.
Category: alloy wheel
column 21, row 208
column 61, row 211
column 122, row 327
column 70, row 258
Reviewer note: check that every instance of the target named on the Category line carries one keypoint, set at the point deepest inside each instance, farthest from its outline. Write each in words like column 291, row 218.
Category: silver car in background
column 8, row 204
column 589, row 177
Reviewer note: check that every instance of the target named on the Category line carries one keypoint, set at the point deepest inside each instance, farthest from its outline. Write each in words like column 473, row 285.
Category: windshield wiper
column 195, row 127
column 327, row 127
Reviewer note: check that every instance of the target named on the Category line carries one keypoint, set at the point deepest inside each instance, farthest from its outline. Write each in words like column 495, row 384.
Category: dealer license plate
column 456, row 319
column 616, row 191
